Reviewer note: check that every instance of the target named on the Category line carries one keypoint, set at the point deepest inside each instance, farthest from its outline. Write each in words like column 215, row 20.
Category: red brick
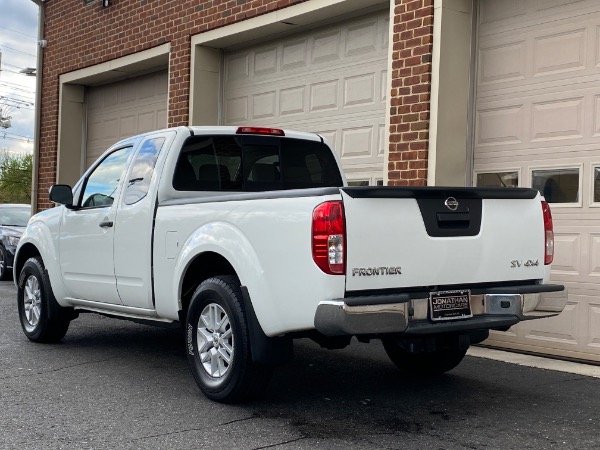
column 129, row 26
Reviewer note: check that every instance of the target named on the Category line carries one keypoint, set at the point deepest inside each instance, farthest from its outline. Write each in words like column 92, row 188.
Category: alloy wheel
column 32, row 301
column 215, row 340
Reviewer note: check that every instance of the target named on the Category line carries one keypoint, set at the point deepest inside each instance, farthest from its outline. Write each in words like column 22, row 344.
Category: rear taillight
column 329, row 237
column 260, row 130
column 548, row 234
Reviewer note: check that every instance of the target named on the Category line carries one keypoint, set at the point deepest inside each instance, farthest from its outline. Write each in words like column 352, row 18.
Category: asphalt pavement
column 113, row 384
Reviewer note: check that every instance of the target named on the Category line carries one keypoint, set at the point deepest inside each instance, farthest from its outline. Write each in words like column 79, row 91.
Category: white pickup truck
column 250, row 237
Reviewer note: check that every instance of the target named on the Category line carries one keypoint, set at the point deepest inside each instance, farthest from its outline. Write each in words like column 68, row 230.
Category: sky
column 18, row 44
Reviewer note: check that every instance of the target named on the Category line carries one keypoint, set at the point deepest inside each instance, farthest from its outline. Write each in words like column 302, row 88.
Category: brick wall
column 411, row 92
column 81, row 35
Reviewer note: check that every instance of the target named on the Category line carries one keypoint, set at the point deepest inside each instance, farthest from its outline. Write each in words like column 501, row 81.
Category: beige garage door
column 331, row 80
column 537, row 123
column 125, row 108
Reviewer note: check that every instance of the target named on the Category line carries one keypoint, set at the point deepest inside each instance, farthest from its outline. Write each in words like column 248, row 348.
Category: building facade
column 409, row 92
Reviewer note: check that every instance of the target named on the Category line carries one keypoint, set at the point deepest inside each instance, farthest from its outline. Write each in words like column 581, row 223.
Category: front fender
column 228, row 241
column 42, row 232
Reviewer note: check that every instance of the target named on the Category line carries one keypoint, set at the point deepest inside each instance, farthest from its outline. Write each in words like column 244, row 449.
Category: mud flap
column 266, row 350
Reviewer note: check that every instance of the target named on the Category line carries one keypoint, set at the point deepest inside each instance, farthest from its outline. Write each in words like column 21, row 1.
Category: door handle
column 106, row 224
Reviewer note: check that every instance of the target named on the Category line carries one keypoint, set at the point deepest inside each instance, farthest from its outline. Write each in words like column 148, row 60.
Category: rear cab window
column 254, row 163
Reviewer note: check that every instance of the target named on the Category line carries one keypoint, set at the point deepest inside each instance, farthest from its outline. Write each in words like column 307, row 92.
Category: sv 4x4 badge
column 525, row 263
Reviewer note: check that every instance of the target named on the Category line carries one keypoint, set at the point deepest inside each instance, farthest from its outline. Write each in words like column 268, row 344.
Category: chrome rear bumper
column 400, row 314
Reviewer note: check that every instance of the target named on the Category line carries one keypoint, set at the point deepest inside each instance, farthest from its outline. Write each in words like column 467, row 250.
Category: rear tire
column 437, row 362
column 42, row 318
column 218, row 343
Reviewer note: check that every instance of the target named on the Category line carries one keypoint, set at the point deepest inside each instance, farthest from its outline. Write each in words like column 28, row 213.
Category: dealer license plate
column 450, row 305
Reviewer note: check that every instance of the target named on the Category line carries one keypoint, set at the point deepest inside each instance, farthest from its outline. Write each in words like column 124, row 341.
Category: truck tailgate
column 418, row 237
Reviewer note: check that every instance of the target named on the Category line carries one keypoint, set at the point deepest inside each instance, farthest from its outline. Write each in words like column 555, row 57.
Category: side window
column 103, row 182
column 142, row 170
column 308, row 164
column 211, row 163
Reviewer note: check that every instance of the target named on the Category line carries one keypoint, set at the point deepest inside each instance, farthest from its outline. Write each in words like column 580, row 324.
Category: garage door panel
column 493, row 11
column 326, row 47
column 568, row 261
column 502, row 125
column 127, row 125
column 547, row 53
column 503, row 62
column 559, row 330
column 560, row 52
column 263, row 105
column 361, row 38
column 594, row 254
column 292, row 101
column 294, row 55
column 537, row 117
column 125, row 108
column 331, row 80
column 557, row 119
column 359, row 90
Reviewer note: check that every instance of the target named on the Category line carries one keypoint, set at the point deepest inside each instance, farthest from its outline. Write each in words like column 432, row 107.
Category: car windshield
column 16, row 216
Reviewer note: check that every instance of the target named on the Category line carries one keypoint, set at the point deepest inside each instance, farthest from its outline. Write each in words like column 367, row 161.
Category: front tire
column 218, row 343
column 437, row 362
column 42, row 318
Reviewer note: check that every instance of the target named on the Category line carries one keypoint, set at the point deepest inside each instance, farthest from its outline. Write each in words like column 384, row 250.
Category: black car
column 13, row 220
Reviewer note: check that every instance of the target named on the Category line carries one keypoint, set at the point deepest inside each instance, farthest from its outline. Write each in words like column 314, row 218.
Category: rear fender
column 226, row 240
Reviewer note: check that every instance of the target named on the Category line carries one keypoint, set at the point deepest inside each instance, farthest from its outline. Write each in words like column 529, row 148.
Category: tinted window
column 142, row 170
column 254, row 163
column 14, row 216
column 103, row 182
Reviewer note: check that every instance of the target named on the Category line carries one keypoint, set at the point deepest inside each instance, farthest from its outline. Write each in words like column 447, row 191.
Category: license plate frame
column 450, row 305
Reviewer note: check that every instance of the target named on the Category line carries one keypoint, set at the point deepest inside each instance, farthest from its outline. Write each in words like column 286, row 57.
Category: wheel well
column 204, row 266
column 25, row 252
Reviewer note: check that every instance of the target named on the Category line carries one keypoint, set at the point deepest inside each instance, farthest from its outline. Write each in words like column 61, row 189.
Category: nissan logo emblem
column 451, row 203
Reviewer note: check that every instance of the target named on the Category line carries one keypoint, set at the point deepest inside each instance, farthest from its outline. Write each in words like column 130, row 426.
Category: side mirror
column 62, row 194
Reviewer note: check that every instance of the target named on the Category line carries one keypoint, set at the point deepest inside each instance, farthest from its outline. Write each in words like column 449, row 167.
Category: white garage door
column 125, row 108
column 537, row 123
column 331, row 80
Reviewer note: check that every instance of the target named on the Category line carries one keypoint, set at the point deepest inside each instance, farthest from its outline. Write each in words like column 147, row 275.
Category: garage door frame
column 207, row 49
column 72, row 140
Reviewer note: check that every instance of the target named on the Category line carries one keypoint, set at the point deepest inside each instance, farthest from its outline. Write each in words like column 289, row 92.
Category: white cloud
column 18, row 43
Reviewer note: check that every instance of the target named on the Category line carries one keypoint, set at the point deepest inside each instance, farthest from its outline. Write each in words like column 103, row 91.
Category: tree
column 15, row 178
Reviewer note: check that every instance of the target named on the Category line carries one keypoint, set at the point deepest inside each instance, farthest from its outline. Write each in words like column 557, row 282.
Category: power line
column 11, row 65
column 15, row 100
column 20, row 32
column 6, row 133
column 15, row 50
column 15, row 137
column 19, row 89
column 13, row 84
column 24, row 97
